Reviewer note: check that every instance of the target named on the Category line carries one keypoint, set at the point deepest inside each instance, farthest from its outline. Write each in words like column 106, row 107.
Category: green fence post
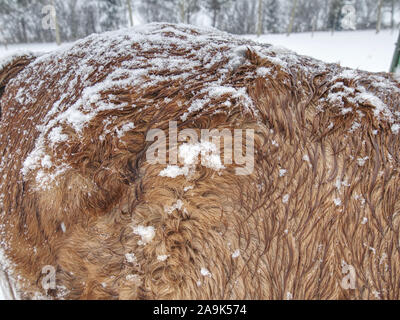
column 396, row 56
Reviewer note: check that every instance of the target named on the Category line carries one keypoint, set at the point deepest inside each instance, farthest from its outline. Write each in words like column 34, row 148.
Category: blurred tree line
column 21, row 20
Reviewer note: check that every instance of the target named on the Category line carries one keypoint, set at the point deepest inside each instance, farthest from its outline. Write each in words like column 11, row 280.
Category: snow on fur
column 204, row 48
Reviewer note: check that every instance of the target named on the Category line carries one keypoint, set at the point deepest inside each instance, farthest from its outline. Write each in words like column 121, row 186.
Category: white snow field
column 364, row 50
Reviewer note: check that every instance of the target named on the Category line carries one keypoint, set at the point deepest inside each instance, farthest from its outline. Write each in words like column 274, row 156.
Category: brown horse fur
column 332, row 129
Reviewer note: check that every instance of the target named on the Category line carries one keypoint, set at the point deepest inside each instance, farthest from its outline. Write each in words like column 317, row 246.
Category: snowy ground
column 34, row 47
column 364, row 50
